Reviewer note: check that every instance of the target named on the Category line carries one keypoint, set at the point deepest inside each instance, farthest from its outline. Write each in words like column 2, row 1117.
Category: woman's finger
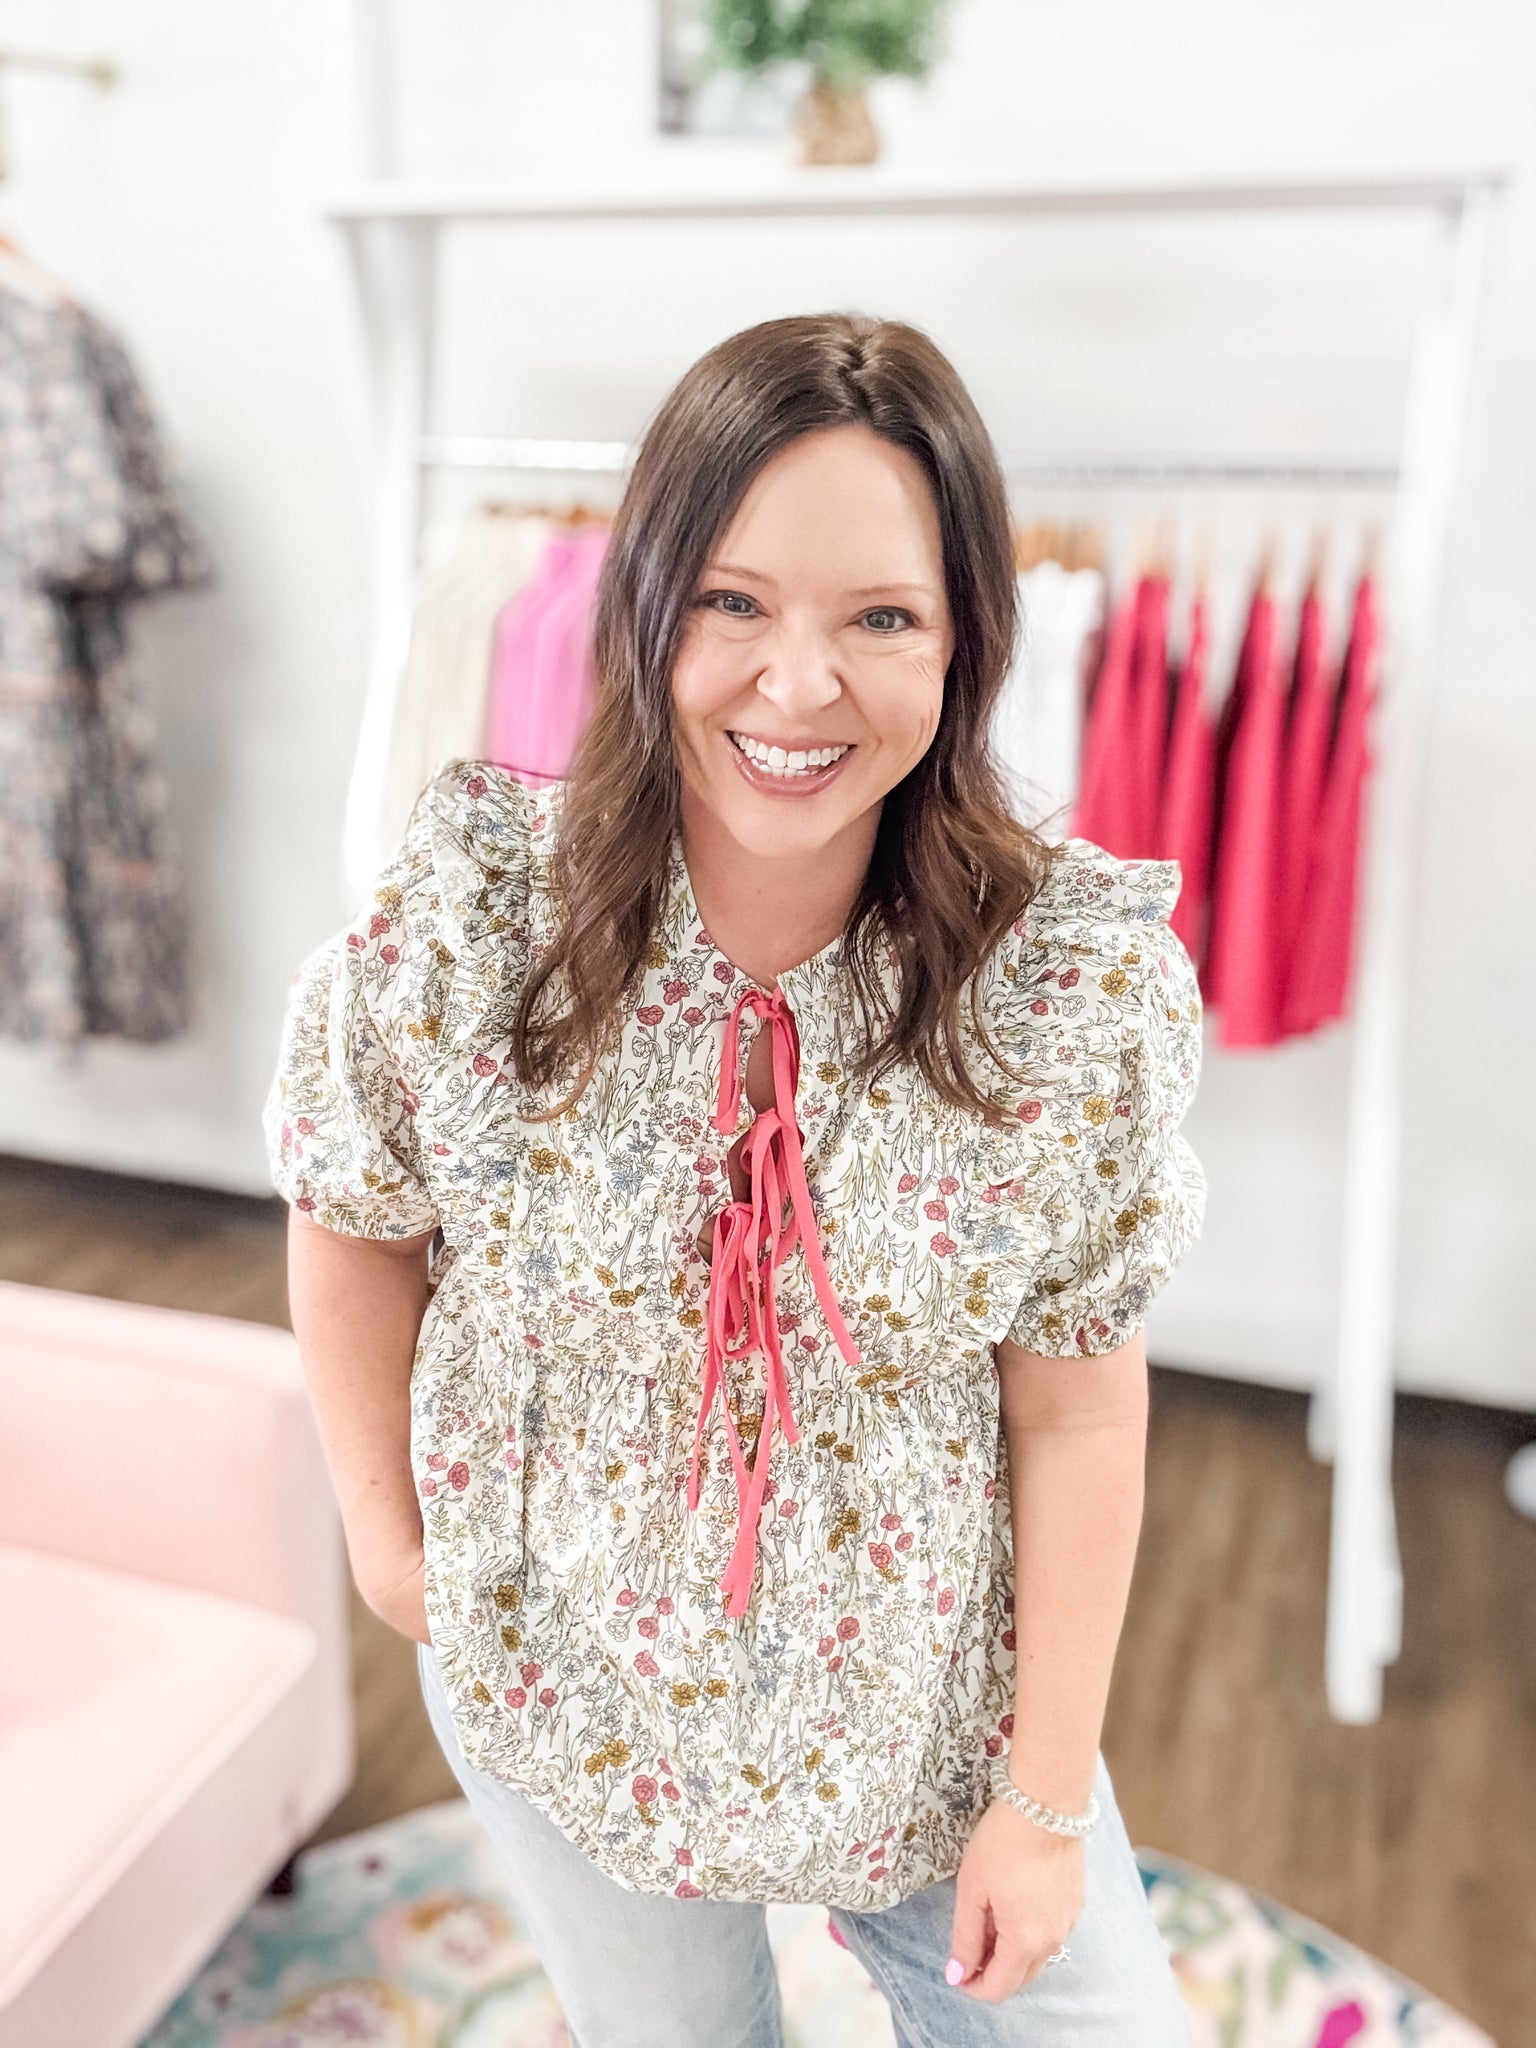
column 968, row 1934
column 1012, row 1965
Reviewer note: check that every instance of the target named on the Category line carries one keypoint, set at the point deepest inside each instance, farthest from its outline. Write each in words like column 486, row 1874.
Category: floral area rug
column 405, row 1936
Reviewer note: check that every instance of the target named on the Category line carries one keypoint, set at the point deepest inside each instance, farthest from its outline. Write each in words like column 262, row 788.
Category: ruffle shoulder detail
column 435, row 952
column 489, row 835
column 1097, row 1006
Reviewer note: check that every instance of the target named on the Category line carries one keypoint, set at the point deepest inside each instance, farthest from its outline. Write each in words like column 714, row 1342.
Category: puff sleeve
column 1114, row 1013
column 339, row 1118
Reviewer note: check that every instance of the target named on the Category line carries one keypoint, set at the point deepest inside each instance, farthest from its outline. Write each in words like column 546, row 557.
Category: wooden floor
column 1415, row 1837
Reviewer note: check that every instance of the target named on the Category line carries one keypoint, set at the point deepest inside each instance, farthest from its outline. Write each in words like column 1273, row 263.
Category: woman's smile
column 786, row 770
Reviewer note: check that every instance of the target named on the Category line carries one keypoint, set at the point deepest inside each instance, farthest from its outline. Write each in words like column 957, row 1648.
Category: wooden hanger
column 1082, row 547
column 579, row 514
column 1205, row 554
column 1033, row 544
column 1165, row 547
column 1152, row 552
column 1318, row 564
column 1269, row 557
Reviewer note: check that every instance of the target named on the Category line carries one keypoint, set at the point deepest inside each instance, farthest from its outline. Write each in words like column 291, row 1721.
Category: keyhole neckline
column 795, row 983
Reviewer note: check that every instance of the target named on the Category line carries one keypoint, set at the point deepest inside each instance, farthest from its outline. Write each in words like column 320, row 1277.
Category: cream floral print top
column 797, row 1703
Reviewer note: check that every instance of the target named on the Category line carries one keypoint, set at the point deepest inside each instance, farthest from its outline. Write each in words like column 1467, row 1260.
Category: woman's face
column 820, row 624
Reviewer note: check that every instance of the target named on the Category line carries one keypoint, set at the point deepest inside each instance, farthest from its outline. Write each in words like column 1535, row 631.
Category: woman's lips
column 788, row 785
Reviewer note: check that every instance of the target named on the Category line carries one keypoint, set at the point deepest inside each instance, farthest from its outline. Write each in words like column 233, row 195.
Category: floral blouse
column 781, row 1680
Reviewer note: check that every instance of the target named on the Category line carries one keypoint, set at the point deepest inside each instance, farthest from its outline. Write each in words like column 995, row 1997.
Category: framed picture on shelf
column 695, row 99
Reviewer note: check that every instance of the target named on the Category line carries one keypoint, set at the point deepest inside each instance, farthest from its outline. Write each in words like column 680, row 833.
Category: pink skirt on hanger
column 1109, row 786
column 1150, row 713
column 1308, row 733
column 1319, row 982
column 1184, row 814
column 543, row 683
column 1242, row 974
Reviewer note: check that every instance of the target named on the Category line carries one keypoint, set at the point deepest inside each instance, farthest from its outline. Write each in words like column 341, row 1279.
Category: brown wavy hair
column 951, row 869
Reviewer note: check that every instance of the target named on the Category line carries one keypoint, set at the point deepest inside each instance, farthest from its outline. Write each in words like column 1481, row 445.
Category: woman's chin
column 784, row 823
column 777, row 837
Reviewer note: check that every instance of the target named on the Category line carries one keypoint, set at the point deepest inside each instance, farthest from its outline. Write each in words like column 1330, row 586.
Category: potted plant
column 842, row 44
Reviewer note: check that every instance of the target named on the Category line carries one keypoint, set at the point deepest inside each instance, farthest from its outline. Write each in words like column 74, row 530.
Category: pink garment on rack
column 1241, row 975
column 1308, row 733
column 1318, row 989
column 1107, row 788
column 1184, row 815
column 1226, row 723
column 751, row 1241
column 543, row 683
column 1149, row 718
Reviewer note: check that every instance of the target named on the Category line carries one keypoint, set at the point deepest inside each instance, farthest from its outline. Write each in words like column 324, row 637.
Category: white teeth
column 775, row 761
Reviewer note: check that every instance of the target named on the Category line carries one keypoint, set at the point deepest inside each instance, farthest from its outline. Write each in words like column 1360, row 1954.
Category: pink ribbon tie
column 752, row 1240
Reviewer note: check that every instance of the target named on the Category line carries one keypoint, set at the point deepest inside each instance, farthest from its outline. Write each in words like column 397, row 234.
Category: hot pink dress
column 1241, row 976
column 1318, row 990
column 1149, row 717
column 1184, row 817
column 1105, row 787
column 1308, row 733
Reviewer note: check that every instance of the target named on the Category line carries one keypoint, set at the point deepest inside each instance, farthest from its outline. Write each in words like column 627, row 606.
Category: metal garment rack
column 393, row 234
column 460, row 451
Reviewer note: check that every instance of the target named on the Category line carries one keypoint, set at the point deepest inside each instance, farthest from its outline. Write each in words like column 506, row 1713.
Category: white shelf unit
column 393, row 234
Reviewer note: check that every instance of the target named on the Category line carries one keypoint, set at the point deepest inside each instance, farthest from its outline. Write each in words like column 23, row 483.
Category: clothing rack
column 461, row 451
column 393, row 232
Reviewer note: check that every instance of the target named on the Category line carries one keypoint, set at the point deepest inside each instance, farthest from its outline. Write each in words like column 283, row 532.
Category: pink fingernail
column 953, row 1971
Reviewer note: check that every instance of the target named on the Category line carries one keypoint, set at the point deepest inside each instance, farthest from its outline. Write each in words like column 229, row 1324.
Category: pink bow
column 742, row 1316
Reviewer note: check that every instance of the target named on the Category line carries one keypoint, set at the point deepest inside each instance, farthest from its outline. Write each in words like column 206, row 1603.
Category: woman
column 802, row 1136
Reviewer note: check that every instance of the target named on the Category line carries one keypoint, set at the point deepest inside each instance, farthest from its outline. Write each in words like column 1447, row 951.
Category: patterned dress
column 94, row 927
column 798, row 1702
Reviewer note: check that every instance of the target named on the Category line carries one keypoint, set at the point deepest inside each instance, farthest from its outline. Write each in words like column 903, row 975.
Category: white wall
column 184, row 206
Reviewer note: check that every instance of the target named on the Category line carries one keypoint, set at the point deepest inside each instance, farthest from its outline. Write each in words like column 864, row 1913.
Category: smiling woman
column 814, row 551
column 804, row 1143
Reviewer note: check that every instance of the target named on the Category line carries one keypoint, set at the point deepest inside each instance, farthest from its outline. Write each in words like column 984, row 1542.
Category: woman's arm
column 356, row 1304
column 1076, row 1435
column 1075, row 1430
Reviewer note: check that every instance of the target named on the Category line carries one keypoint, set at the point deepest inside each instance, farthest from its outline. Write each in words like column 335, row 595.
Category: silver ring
column 1062, row 1955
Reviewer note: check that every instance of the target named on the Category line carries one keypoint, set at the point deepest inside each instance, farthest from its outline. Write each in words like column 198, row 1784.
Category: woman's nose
column 801, row 674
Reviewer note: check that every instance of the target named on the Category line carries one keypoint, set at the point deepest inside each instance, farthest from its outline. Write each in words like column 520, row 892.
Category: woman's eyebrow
column 735, row 569
column 869, row 590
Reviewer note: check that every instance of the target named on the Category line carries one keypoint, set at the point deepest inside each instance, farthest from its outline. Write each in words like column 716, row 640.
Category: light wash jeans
column 643, row 1970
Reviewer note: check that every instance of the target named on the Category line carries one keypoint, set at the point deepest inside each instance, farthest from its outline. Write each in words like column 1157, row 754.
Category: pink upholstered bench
column 175, row 1705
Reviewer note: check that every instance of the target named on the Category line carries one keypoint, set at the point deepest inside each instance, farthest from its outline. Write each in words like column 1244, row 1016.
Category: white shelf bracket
column 394, row 265
column 1353, row 1412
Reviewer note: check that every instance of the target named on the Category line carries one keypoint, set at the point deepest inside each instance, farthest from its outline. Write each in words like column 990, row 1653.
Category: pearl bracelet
column 1054, row 1823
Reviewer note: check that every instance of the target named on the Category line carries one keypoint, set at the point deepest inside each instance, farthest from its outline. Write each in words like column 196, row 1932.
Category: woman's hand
column 1018, row 1892
column 395, row 1593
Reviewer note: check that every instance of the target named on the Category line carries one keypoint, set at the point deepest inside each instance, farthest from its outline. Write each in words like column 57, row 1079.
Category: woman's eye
column 887, row 611
column 733, row 597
